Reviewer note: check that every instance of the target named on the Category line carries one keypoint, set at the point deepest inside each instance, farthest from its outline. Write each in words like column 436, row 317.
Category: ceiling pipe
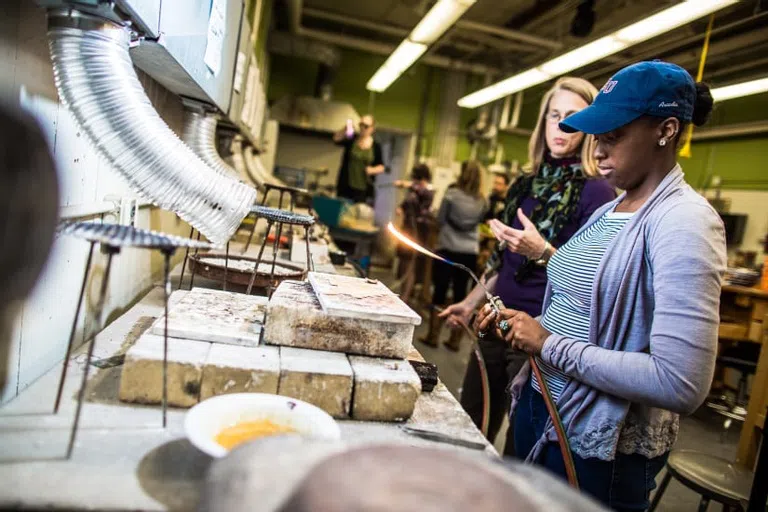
column 506, row 33
column 730, row 131
column 295, row 8
column 97, row 82
column 527, row 40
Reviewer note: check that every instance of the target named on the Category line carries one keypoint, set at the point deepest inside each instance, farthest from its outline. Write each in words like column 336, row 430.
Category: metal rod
column 226, row 265
column 72, row 331
column 186, row 256
column 250, row 235
column 111, row 251
column 275, row 248
column 192, row 277
column 167, row 290
column 258, row 259
column 310, row 265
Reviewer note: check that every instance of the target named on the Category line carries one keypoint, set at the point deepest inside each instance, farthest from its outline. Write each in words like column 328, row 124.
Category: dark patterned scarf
column 557, row 187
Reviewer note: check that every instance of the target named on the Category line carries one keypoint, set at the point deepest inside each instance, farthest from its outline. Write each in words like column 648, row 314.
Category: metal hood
column 309, row 113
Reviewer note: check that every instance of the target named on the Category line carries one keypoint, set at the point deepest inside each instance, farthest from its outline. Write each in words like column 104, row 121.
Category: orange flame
column 413, row 245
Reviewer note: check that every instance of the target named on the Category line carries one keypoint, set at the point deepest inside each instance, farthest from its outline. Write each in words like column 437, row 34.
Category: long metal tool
column 497, row 306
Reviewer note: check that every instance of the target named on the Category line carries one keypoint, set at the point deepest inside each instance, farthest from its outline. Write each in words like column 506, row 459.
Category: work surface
column 123, row 458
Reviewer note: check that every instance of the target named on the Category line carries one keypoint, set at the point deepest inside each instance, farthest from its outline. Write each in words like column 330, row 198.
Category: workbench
column 123, row 459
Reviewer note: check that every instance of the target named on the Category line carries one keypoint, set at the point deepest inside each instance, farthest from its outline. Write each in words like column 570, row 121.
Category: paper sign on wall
column 239, row 71
column 215, row 42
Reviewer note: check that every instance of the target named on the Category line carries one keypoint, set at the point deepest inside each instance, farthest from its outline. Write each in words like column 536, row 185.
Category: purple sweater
column 528, row 295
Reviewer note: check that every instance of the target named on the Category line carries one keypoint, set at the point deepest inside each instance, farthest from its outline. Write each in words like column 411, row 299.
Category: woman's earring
column 663, row 142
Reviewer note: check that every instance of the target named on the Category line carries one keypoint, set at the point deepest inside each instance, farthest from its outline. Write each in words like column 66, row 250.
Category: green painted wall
column 398, row 107
column 742, row 163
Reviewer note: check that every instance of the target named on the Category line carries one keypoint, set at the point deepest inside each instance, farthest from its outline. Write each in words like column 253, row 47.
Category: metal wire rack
column 113, row 238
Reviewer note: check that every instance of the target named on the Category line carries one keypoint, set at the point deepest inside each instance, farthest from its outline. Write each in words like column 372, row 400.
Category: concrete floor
column 703, row 431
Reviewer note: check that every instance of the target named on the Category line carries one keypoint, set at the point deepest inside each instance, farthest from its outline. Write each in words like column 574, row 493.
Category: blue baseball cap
column 653, row 88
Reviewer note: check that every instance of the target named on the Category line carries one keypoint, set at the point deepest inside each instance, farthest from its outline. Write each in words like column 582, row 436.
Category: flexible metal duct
column 200, row 135
column 238, row 161
column 96, row 80
column 256, row 171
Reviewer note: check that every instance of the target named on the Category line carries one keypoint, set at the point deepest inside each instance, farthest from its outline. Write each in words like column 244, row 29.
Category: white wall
column 311, row 151
column 41, row 329
column 754, row 204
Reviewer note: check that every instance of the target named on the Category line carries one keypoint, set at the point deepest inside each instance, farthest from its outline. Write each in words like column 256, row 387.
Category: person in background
column 462, row 210
column 627, row 338
column 545, row 206
column 498, row 196
column 361, row 162
column 416, row 215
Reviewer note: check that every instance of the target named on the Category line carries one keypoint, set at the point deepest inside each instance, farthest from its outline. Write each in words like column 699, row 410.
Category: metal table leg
column 167, row 289
column 258, row 259
column 72, row 331
column 186, row 256
column 192, row 277
column 111, row 251
column 275, row 248
column 226, row 265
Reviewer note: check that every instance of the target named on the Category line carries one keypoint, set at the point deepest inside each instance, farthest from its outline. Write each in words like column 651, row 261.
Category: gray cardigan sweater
column 653, row 329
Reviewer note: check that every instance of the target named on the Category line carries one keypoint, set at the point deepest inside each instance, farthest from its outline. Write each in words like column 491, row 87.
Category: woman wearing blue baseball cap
column 628, row 333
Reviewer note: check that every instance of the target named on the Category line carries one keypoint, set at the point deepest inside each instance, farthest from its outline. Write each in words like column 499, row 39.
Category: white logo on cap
column 609, row 85
column 673, row 104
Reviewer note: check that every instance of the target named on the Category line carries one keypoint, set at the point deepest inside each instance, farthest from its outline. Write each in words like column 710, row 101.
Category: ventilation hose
column 96, row 81
column 200, row 135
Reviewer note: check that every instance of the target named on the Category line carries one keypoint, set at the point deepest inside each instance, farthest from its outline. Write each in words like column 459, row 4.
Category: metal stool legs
column 258, row 259
column 186, row 256
column 660, row 491
column 111, row 251
column 72, row 331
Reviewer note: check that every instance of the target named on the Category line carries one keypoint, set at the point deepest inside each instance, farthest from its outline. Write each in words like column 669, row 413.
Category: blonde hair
column 537, row 145
column 471, row 178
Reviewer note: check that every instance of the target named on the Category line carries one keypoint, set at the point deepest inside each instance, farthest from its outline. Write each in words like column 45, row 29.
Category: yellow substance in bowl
column 247, row 430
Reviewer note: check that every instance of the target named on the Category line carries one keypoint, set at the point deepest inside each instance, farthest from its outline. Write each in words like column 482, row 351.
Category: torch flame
column 413, row 245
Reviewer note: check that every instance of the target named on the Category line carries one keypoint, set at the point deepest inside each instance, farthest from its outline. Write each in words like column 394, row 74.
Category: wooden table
column 749, row 441
column 744, row 318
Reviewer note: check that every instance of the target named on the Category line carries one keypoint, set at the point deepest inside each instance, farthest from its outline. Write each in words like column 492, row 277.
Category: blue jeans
column 624, row 483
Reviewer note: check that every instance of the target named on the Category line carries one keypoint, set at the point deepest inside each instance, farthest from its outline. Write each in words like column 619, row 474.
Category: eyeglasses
column 556, row 117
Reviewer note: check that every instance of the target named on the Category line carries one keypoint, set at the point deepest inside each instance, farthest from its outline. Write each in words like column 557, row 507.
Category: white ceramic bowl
column 206, row 419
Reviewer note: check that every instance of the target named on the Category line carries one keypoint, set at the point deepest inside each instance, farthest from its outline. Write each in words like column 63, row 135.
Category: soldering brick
column 323, row 379
column 142, row 376
column 385, row 389
column 295, row 318
column 235, row 369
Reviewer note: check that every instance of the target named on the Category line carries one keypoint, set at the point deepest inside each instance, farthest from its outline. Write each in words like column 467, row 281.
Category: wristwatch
column 545, row 256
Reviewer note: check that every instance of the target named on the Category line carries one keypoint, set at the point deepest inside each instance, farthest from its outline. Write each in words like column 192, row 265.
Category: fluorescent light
column 400, row 60
column 643, row 30
column 439, row 19
column 668, row 19
column 582, row 56
column 433, row 25
column 504, row 88
column 382, row 79
column 741, row 89
column 405, row 55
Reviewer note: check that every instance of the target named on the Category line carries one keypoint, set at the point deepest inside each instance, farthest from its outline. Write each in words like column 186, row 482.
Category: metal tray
column 202, row 266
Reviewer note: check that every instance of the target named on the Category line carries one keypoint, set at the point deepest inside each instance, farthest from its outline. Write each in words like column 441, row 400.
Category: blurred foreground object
column 29, row 205
column 288, row 473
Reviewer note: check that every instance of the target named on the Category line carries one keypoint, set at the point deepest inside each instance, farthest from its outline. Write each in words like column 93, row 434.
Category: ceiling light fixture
column 432, row 26
column 659, row 23
column 741, row 89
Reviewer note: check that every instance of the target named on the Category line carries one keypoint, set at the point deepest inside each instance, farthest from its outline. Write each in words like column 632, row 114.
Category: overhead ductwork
column 96, row 81
column 200, row 136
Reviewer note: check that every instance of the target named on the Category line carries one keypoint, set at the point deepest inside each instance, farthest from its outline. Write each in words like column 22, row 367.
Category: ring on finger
column 481, row 334
column 504, row 326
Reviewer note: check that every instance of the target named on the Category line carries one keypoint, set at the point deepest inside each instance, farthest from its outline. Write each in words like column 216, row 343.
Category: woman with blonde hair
column 461, row 212
column 554, row 197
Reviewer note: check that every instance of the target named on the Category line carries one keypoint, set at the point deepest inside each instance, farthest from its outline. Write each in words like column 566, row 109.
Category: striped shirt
column 571, row 271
